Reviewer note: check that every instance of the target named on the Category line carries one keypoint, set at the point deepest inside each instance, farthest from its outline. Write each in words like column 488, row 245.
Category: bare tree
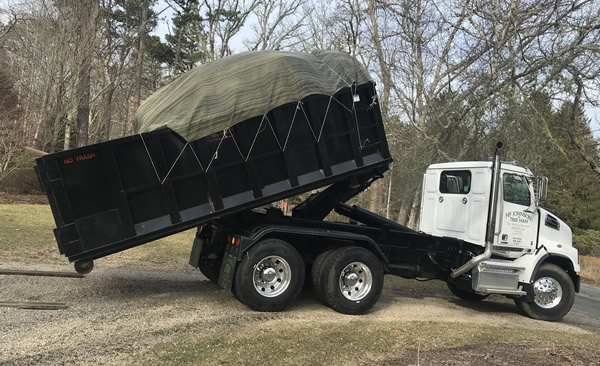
column 447, row 68
column 11, row 133
column 279, row 24
column 589, row 158
column 223, row 20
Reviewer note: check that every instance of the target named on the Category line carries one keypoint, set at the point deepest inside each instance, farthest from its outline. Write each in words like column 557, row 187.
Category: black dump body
column 114, row 195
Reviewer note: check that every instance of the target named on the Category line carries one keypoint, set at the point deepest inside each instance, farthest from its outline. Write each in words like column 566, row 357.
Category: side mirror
column 541, row 189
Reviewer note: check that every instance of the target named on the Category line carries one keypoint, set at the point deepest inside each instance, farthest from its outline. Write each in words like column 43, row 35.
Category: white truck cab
column 529, row 244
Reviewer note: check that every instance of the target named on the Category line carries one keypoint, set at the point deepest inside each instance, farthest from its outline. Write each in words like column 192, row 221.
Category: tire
column 465, row 295
column 363, row 288
column 553, row 305
column 318, row 273
column 270, row 276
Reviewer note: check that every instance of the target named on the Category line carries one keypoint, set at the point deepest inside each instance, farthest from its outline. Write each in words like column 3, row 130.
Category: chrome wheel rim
column 272, row 276
column 355, row 281
column 548, row 292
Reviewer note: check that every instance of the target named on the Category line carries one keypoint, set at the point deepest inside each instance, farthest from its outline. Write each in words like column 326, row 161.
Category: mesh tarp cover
column 217, row 95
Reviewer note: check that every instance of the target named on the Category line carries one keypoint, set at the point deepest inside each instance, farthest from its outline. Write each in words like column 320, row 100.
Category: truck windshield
column 516, row 189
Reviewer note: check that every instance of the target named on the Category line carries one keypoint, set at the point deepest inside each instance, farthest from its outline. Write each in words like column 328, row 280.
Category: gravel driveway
column 115, row 313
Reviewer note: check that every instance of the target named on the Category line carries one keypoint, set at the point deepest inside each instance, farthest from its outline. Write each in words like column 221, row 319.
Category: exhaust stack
column 491, row 220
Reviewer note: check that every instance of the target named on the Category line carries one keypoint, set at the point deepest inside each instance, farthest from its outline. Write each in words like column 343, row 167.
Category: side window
column 455, row 181
column 516, row 189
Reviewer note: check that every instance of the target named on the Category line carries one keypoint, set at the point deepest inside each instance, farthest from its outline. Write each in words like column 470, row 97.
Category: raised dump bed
column 114, row 195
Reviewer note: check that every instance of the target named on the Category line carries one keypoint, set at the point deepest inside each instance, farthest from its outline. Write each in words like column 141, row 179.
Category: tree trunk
column 414, row 210
column 572, row 130
column 83, row 107
column 140, row 55
column 109, row 81
column 67, row 141
column 403, row 213
column 106, row 121
column 389, row 194
column 386, row 77
column 87, row 34
column 374, row 197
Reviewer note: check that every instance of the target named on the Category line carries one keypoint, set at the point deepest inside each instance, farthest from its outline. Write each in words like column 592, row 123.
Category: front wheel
column 554, row 294
column 270, row 276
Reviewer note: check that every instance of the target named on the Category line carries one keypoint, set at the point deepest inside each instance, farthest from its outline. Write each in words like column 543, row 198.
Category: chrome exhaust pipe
column 491, row 220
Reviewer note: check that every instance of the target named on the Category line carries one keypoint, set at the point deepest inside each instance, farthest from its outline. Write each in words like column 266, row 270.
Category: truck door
column 453, row 210
column 518, row 230
column 455, row 203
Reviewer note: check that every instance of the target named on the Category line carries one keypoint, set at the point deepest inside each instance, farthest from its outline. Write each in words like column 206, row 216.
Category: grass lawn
column 26, row 236
column 590, row 269
column 361, row 342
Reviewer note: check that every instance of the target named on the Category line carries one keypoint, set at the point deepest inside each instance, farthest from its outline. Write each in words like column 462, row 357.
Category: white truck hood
column 554, row 231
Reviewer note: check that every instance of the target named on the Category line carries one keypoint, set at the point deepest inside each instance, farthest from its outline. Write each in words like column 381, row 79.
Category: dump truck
column 220, row 143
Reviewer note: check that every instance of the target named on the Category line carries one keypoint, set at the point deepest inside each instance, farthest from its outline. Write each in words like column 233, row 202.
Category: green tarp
column 217, row 95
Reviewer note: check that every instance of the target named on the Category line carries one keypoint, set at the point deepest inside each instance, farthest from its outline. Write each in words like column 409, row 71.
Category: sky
column 593, row 113
column 163, row 24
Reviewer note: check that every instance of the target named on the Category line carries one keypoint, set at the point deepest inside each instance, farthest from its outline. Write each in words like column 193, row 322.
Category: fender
column 267, row 230
column 531, row 263
column 548, row 257
column 561, row 260
column 537, row 266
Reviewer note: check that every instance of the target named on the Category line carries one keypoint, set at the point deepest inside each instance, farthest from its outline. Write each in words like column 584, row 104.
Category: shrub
column 587, row 242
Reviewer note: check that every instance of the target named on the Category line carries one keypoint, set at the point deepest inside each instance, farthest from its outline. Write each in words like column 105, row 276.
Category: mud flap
column 195, row 253
column 227, row 271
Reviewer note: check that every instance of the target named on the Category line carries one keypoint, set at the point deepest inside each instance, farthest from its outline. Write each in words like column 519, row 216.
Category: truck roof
column 480, row 164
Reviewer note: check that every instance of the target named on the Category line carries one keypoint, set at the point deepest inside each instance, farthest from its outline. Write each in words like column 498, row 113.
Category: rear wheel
column 554, row 294
column 270, row 276
column 353, row 280
column 465, row 295
column 318, row 274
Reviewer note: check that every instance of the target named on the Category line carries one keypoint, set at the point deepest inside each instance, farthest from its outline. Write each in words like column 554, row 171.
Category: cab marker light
column 559, row 245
